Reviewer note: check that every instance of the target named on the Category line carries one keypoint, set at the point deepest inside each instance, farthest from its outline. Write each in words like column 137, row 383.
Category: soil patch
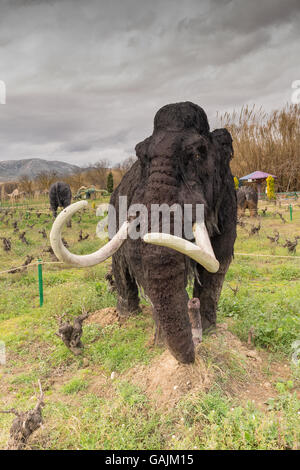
column 221, row 359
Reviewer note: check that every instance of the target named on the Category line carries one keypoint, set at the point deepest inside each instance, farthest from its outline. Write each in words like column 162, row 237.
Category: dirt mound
column 108, row 316
column 165, row 380
column 103, row 317
column 221, row 359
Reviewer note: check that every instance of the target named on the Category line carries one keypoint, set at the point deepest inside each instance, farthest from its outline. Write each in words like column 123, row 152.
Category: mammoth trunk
column 165, row 269
column 167, row 282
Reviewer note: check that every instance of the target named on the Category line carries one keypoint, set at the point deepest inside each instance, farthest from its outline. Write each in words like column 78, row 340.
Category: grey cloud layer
column 84, row 79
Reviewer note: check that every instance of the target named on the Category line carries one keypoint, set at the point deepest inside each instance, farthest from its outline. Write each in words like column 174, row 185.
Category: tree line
column 263, row 141
column 100, row 175
column 267, row 142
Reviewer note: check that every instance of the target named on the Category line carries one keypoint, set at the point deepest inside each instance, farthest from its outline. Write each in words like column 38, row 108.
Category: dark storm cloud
column 248, row 16
column 84, row 79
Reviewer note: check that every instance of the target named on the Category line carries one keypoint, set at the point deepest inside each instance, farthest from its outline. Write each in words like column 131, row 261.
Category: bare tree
column 10, row 187
column 26, row 185
column 267, row 142
column 45, row 178
column 125, row 165
column 77, row 179
column 97, row 173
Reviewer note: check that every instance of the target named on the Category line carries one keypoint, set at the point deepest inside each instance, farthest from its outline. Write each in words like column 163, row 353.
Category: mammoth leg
column 209, row 294
column 211, row 284
column 252, row 209
column 172, row 325
column 241, row 211
column 69, row 223
column 54, row 210
column 166, row 281
column 128, row 294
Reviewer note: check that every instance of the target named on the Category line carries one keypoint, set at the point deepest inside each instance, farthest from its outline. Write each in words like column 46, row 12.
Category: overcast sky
column 85, row 78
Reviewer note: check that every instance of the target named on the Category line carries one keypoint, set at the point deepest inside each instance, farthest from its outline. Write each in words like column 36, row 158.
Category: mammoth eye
column 201, row 152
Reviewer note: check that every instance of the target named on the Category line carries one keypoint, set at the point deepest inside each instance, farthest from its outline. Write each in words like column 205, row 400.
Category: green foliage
column 74, row 386
column 286, row 273
column 216, row 422
column 119, row 348
column 270, row 188
column 110, row 182
column 119, row 414
column 132, row 395
column 236, row 182
column 111, row 424
column 275, row 316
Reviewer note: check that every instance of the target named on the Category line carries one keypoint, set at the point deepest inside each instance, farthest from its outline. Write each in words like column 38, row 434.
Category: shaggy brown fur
column 184, row 163
column 247, row 198
column 60, row 195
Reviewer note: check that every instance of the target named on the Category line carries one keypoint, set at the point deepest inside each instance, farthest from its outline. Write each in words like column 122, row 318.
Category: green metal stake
column 40, row 271
column 291, row 212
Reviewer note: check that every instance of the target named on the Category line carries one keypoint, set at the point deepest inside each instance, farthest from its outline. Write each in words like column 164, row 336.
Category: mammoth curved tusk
column 203, row 241
column 83, row 260
column 201, row 252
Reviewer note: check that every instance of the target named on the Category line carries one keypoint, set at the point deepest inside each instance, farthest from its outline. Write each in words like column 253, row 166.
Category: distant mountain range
column 12, row 170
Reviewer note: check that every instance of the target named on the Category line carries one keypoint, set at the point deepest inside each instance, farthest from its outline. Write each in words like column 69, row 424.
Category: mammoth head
column 177, row 129
column 183, row 147
column 186, row 163
column 182, row 162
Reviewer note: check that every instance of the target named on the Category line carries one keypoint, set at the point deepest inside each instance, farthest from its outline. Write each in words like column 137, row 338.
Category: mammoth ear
column 141, row 150
column 223, row 141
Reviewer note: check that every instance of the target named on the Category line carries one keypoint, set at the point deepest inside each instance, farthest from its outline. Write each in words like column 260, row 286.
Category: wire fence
column 268, row 256
column 41, row 208
column 31, row 265
column 23, row 267
column 39, row 263
column 295, row 195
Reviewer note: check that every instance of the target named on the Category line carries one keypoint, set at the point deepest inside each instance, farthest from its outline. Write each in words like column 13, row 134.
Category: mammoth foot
column 185, row 357
column 207, row 325
column 126, row 308
column 253, row 213
column 182, row 347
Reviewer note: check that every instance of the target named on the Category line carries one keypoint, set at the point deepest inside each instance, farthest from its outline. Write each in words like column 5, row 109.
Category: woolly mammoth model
column 60, row 195
column 247, row 198
column 182, row 163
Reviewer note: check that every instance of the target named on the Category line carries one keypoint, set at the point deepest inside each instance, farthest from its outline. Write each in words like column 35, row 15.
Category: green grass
column 120, row 348
column 106, row 413
column 273, row 311
column 109, row 424
column 215, row 422
column 74, row 386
